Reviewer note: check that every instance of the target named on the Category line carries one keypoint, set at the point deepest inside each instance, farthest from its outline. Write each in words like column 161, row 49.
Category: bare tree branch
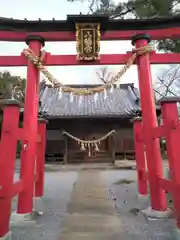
column 167, row 83
column 160, row 94
column 103, row 74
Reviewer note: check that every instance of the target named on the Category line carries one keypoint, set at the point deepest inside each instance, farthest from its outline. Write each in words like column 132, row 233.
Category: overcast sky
column 58, row 9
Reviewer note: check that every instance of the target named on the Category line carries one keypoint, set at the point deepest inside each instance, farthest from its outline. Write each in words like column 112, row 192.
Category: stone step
column 90, row 160
column 91, row 206
column 90, row 236
column 91, row 223
column 93, row 192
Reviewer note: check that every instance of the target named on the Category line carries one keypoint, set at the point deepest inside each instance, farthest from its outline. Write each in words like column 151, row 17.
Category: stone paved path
column 92, row 215
column 89, row 204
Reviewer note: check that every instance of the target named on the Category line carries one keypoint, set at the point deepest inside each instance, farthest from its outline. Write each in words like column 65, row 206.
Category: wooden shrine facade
column 67, row 150
column 90, row 119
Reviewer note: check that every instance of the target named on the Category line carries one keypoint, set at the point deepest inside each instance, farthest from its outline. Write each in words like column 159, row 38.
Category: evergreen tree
column 11, row 86
column 142, row 9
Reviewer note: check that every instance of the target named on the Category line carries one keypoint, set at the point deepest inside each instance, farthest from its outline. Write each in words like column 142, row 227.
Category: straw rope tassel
column 88, row 143
column 38, row 62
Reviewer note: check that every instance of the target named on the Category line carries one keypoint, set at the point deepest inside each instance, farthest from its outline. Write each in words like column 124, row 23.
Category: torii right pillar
column 149, row 121
column 172, row 133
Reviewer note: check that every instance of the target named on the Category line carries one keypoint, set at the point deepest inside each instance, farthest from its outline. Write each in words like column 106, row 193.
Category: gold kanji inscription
column 88, row 41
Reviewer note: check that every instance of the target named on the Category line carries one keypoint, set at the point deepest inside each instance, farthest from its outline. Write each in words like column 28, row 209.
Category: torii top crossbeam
column 99, row 27
column 64, row 30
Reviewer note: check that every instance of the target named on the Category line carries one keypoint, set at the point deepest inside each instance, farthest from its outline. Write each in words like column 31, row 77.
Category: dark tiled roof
column 123, row 102
column 106, row 23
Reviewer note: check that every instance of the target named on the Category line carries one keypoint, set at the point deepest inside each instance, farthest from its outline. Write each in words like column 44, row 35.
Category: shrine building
column 88, row 118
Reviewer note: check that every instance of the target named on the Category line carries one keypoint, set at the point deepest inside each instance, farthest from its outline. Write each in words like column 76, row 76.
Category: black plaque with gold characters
column 88, row 41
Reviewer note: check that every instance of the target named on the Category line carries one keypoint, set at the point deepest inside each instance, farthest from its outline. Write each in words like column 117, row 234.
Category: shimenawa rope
column 89, row 143
column 38, row 62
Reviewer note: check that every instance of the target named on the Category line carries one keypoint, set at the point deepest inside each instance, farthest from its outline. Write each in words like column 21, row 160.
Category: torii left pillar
column 30, row 127
column 140, row 157
column 9, row 137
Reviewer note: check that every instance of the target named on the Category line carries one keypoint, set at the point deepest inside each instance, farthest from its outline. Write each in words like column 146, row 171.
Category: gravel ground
column 126, row 202
column 58, row 188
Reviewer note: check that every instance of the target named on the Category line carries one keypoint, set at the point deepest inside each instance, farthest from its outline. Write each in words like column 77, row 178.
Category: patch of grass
column 124, row 181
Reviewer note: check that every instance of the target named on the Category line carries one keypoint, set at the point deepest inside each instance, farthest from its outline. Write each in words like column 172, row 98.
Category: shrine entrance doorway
column 102, row 155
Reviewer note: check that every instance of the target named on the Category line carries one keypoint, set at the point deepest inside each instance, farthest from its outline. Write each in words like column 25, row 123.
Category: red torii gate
column 35, row 33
